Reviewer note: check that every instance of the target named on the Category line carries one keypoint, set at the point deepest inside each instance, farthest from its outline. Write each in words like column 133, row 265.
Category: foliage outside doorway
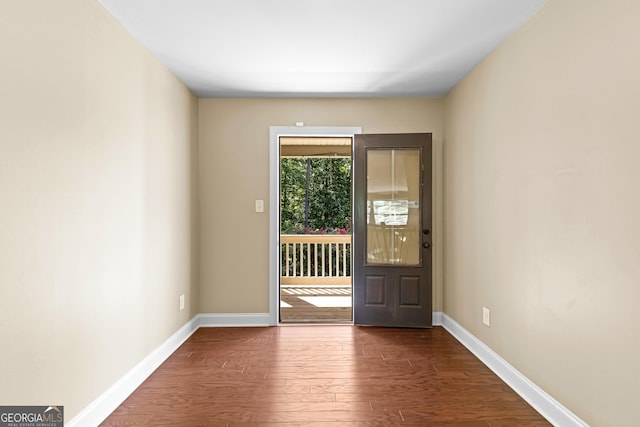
column 315, row 199
column 315, row 195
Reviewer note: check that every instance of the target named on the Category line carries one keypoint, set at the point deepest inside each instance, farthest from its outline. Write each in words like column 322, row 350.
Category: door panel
column 409, row 291
column 392, row 230
column 375, row 290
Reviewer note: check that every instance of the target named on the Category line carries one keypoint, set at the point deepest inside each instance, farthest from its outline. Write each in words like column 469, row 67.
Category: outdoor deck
column 314, row 303
column 315, row 281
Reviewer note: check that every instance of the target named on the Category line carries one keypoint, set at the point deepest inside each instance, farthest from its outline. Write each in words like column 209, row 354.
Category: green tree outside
column 315, row 195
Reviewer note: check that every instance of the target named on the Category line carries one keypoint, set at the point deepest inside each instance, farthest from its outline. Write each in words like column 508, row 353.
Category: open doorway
column 315, row 202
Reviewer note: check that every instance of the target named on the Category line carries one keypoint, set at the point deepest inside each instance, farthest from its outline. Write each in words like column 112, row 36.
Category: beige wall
column 542, row 205
column 97, row 202
column 234, row 172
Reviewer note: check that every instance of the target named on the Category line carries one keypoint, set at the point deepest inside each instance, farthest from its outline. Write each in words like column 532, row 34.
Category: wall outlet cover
column 486, row 316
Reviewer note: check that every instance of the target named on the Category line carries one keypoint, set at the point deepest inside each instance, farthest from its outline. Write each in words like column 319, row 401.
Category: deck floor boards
column 315, row 303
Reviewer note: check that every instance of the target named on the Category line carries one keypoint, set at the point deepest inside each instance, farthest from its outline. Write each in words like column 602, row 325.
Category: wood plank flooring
column 299, row 303
column 325, row 375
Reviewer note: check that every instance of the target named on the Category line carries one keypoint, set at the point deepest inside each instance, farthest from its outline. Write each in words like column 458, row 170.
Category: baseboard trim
column 98, row 410
column 546, row 405
column 205, row 320
column 436, row 318
column 107, row 402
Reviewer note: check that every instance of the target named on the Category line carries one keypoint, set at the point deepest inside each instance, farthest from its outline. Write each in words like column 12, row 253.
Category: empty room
column 484, row 261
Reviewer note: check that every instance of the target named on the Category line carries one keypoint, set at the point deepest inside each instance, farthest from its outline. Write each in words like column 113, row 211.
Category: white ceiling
column 321, row 48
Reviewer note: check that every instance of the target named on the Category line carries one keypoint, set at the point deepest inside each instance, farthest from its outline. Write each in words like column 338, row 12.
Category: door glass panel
column 393, row 207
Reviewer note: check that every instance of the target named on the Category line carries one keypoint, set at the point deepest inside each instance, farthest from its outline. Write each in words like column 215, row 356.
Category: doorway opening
column 315, row 208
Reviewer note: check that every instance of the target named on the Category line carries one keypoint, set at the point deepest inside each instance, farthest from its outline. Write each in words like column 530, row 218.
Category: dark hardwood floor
column 323, row 375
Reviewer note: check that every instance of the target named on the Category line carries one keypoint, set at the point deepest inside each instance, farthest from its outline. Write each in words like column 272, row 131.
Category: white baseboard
column 232, row 319
column 113, row 397
column 98, row 410
column 546, row 405
column 436, row 318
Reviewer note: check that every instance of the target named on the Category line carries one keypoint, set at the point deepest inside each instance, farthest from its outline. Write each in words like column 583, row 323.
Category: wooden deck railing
column 315, row 259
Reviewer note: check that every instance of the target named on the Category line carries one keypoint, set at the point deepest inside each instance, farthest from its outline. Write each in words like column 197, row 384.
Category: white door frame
column 275, row 132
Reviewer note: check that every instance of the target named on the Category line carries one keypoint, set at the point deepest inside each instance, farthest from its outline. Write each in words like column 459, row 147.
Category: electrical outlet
column 486, row 316
column 181, row 302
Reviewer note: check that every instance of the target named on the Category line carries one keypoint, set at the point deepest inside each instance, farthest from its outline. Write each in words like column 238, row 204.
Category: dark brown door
column 392, row 230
